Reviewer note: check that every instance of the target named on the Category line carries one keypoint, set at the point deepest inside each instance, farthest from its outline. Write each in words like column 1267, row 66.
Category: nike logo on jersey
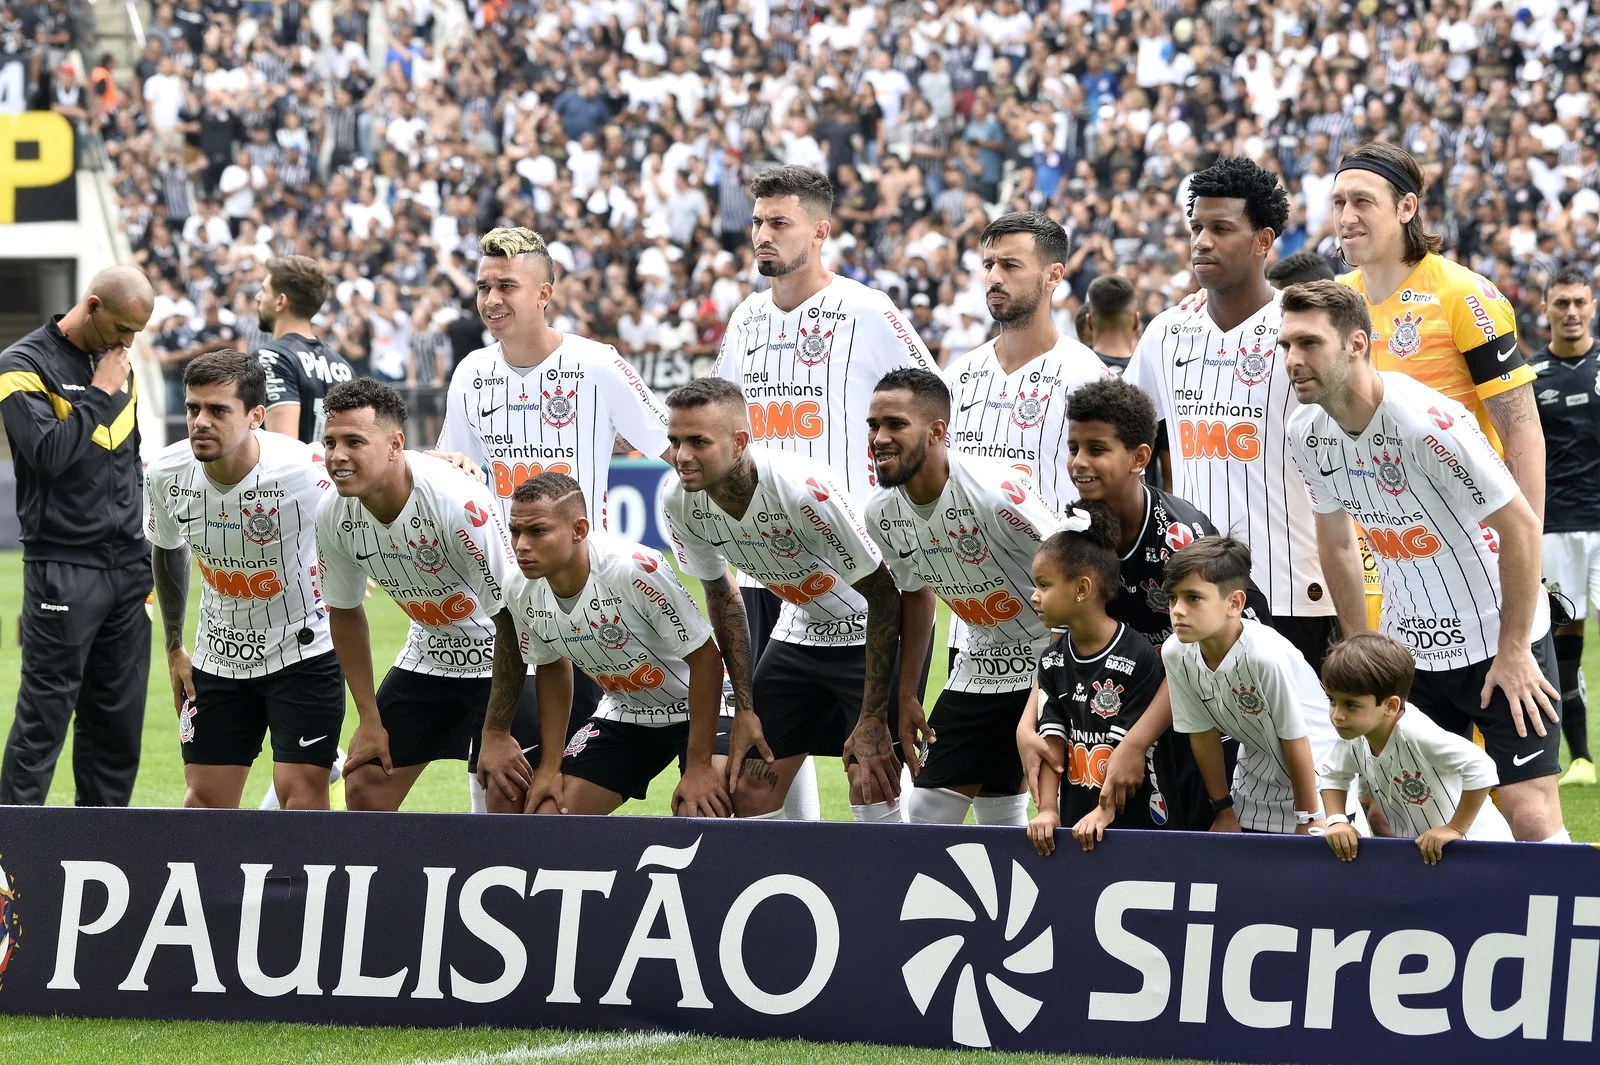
column 751, row 351
column 1524, row 759
column 969, row 406
column 363, row 558
column 192, row 517
column 1507, row 348
column 908, row 554
column 1185, row 362
column 318, row 739
column 1328, row 473
column 487, row 413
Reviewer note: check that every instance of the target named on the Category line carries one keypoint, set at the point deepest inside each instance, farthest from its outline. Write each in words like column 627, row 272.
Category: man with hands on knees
column 615, row 610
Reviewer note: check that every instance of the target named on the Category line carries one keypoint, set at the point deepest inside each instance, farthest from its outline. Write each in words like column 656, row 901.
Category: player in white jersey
column 431, row 537
column 541, row 400
column 1432, row 785
column 807, row 353
column 787, row 521
column 1230, row 675
column 1009, row 397
column 617, row 611
column 244, row 501
column 1221, row 388
column 967, row 527
column 1457, row 543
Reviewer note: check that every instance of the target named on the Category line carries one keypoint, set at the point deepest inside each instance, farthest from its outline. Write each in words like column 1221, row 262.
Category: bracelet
column 1336, row 819
column 1301, row 817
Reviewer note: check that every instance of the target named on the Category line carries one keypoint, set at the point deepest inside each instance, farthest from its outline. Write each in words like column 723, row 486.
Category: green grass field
column 442, row 787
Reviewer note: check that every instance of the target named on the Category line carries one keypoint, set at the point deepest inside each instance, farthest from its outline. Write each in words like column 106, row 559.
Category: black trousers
column 85, row 648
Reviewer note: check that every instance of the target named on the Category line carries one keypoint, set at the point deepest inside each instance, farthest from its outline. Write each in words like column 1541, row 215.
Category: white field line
column 597, row 1044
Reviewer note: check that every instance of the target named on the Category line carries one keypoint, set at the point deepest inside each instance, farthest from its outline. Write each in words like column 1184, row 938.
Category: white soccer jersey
column 255, row 543
column 974, row 547
column 808, row 374
column 629, row 629
column 1020, row 419
column 1418, row 778
column 1262, row 693
column 1226, row 399
column 800, row 537
column 561, row 416
column 445, row 560
column 1419, row 480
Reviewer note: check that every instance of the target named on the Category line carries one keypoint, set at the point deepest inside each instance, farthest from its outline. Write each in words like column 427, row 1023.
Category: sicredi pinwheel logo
column 928, row 899
column 10, row 923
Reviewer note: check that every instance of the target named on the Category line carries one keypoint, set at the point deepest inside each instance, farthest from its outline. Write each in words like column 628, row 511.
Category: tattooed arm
column 1516, row 421
column 171, row 570
column 725, row 606
column 871, row 745
column 502, row 770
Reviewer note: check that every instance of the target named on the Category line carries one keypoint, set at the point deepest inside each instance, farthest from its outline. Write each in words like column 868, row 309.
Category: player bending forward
column 616, row 611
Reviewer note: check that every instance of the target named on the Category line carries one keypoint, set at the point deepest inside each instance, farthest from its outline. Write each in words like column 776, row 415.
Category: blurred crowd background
column 384, row 138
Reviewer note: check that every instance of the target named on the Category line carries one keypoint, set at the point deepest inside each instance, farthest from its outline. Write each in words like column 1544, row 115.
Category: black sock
column 1574, row 713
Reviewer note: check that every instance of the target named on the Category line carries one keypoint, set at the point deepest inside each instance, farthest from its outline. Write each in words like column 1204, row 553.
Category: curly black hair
column 1091, row 552
column 386, row 402
column 1236, row 178
column 1119, row 404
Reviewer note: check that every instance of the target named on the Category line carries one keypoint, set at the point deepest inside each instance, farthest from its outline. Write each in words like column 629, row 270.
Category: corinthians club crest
column 427, row 555
column 610, row 633
column 968, row 546
column 1413, row 789
column 813, row 346
column 1253, row 366
column 1391, row 475
column 1028, row 410
column 1107, row 701
column 558, row 408
column 782, row 542
column 260, row 525
column 1248, row 700
column 1155, row 596
column 1406, row 340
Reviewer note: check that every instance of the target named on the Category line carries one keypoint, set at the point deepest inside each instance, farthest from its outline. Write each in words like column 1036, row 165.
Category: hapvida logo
column 928, row 899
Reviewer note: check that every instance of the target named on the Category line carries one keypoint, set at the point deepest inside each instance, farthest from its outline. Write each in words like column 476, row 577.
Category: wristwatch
column 1224, row 803
column 1303, row 818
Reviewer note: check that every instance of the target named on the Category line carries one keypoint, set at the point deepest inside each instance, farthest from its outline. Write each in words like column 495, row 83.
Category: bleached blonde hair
column 509, row 242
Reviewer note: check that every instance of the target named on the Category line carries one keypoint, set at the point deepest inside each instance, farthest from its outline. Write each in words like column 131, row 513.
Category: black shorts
column 809, row 698
column 429, row 718
column 1450, row 697
column 1312, row 636
column 302, row 704
column 761, row 607
column 976, row 742
column 624, row 757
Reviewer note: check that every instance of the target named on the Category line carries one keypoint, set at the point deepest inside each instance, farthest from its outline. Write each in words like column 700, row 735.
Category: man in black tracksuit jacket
column 68, row 400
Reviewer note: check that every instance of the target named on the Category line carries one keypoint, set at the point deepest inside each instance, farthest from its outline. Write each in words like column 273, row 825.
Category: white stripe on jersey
column 630, row 628
column 1419, row 777
column 800, row 537
column 808, row 374
column 1226, row 399
column 975, row 550
column 1419, row 480
column 1020, row 419
column 1263, row 692
column 445, row 560
column 562, row 415
column 255, row 542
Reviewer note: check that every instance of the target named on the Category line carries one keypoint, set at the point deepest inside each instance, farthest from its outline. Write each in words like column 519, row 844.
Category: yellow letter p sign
column 36, row 151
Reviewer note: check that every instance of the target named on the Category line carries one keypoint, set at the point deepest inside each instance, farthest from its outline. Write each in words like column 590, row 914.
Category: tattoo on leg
column 760, row 771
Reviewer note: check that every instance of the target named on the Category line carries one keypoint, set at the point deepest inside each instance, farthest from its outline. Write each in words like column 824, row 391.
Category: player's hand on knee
column 1432, row 842
column 1042, row 831
column 700, row 793
column 501, row 766
column 1344, row 840
column 1124, row 776
column 180, row 671
column 872, row 748
column 746, row 733
column 546, row 792
column 1035, row 751
column 368, row 742
column 915, row 734
column 1531, row 696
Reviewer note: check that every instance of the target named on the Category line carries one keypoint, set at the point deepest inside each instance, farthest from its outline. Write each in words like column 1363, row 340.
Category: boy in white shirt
column 1431, row 784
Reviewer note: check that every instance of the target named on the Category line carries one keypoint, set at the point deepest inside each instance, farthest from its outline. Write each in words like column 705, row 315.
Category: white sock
column 776, row 815
column 879, row 812
column 480, row 797
column 269, row 801
column 1009, row 810
column 1561, row 836
column 803, row 803
column 938, row 806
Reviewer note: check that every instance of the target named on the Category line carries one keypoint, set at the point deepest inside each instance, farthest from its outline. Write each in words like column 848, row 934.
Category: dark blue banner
column 633, row 502
column 1234, row 947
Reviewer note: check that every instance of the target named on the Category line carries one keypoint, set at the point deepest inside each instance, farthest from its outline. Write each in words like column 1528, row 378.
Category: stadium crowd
column 383, row 139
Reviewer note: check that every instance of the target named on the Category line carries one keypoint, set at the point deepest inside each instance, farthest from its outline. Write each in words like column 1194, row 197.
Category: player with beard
column 1216, row 379
column 807, row 353
column 300, row 368
column 967, row 527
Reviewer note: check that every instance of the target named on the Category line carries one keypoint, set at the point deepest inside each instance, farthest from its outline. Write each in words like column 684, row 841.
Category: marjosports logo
column 10, row 923
column 928, row 899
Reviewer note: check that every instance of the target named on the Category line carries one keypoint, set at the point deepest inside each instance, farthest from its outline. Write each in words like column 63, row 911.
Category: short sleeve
column 457, row 432
column 1452, row 452
column 665, row 604
column 1483, row 327
column 903, row 568
column 635, row 411
column 283, row 384
column 1021, row 514
column 1187, row 714
column 1340, row 768
column 894, row 341
column 344, row 582
column 695, row 556
column 829, row 527
column 1448, row 752
column 480, row 550
column 1146, row 372
column 160, row 527
column 1280, row 689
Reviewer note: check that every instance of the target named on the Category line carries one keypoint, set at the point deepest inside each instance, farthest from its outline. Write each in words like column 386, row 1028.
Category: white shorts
column 1572, row 569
